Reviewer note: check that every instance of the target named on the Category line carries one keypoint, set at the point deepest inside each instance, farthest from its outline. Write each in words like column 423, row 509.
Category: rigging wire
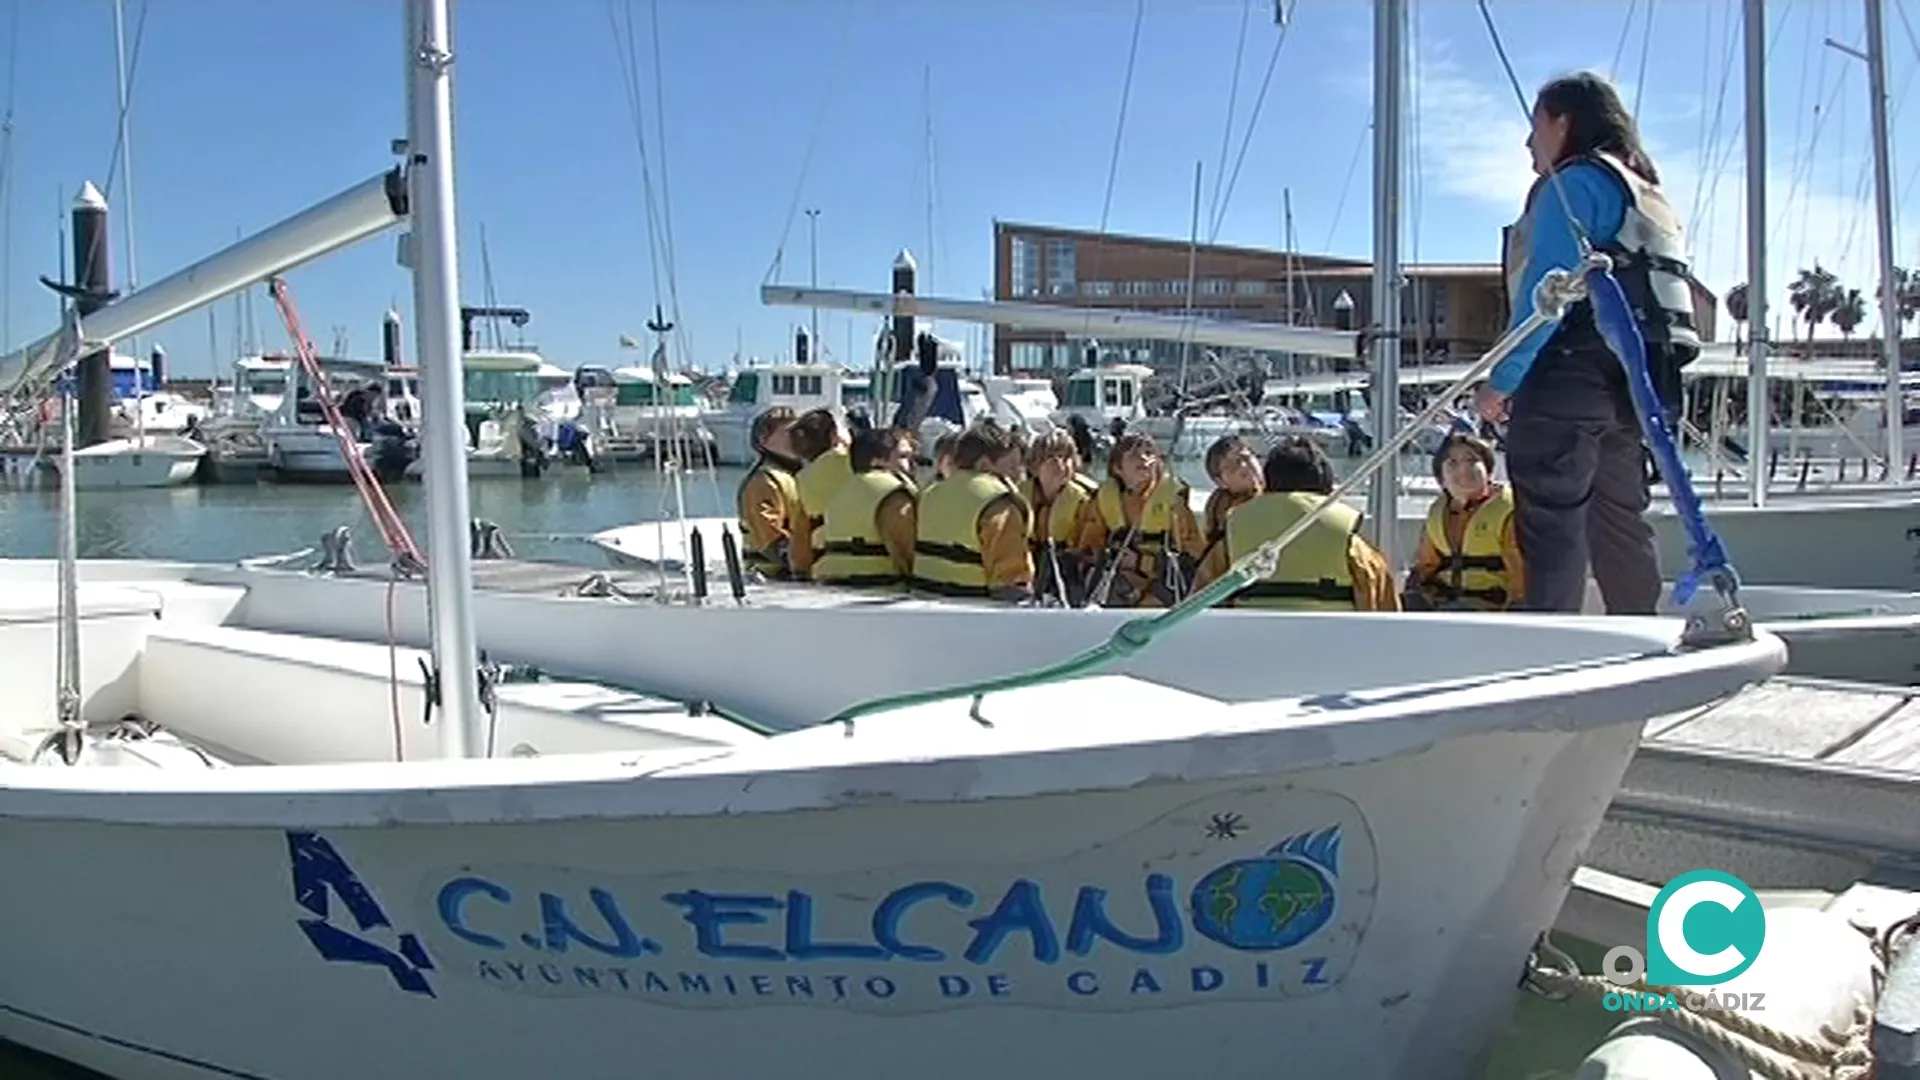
column 813, row 141
column 681, row 338
column 1802, row 152
column 1233, row 98
column 6, row 178
column 1646, row 45
column 1736, row 139
column 1410, row 167
column 1253, row 123
column 1346, row 186
column 1120, row 125
column 1113, row 159
column 1620, row 47
column 133, row 68
column 1708, row 184
column 629, row 76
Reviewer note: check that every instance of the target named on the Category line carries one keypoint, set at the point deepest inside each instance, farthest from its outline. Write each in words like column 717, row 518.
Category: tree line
column 1818, row 296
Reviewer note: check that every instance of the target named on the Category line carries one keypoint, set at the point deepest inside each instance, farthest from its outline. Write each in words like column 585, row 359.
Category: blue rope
column 1614, row 318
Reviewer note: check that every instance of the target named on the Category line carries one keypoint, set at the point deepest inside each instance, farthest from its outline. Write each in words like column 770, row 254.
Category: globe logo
column 1273, row 901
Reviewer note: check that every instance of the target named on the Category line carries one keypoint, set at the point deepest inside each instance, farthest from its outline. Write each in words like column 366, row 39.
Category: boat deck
column 532, row 578
column 1796, row 781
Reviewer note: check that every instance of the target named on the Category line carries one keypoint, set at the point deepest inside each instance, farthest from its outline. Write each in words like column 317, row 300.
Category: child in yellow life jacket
column 820, row 440
column 1467, row 558
column 1057, row 490
column 943, row 448
column 768, row 499
column 1328, row 566
column 1141, row 526
column 1234, row 468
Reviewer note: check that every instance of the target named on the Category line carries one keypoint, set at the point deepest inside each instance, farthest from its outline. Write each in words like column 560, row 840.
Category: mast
column 1383, row 497
column 1758, row 415
column 126, row 209
column 1883, row 214
column 434, row 254
column 1193, row 274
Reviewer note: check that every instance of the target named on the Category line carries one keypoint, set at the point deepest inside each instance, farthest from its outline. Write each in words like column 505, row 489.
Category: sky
column 244, row 112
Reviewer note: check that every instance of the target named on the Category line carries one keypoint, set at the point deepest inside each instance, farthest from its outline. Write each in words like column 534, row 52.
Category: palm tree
column 1849, row 311
column 1736, row 301
column 1906, row 291
column 1814, row 295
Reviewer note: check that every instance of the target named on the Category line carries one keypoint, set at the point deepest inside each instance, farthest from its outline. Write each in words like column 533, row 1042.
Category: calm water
column 546, row 519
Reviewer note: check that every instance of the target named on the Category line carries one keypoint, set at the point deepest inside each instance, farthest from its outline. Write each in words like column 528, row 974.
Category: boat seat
column 264, row 697
column 115, row 619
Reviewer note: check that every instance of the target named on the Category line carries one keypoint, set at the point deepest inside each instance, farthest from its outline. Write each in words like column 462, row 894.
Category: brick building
column 1449, row 312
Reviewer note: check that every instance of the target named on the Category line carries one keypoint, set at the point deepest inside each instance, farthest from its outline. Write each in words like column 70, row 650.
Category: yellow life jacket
column 819, row 482
column 1313, row 572
column 946, row 556
column 852, row 551
column 764, row 559
column 1476, row 575
column 1063, row 511
column 1156, row 517
column 1220, row 504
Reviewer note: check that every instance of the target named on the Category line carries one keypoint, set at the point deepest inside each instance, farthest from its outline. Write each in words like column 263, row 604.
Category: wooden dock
column 1793, row 783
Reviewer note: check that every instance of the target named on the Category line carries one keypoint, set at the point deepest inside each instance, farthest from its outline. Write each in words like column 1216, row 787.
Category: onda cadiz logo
column 1704, row 928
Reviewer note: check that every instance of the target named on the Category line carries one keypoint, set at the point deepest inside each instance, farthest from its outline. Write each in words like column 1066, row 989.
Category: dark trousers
column 1581, row 490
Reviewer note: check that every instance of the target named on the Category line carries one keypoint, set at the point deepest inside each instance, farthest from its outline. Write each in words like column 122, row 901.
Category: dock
column 1797, row 781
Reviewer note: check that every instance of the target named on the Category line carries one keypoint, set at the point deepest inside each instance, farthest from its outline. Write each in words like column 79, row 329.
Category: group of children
column 1016, row 521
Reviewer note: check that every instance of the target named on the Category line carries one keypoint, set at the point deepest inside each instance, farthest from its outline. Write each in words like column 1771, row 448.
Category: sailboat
column 295, row 844
column 139, row 459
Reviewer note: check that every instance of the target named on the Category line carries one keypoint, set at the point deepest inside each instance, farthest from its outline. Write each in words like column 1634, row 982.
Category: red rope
column 393, row 530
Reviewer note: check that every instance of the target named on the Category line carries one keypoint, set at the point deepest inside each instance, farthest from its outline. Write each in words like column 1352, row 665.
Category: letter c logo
column 1728, row 928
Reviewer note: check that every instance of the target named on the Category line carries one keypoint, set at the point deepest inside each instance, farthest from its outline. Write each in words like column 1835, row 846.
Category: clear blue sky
column 244, row 112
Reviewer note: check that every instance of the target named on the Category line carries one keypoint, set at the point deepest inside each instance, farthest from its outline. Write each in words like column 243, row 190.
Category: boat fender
column 1814, row 972
column 1896, row 1021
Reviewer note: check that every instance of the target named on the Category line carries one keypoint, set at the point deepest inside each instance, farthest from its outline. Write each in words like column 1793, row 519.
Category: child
column 1141, row 523
column 1468, row 558
column 1235, row 470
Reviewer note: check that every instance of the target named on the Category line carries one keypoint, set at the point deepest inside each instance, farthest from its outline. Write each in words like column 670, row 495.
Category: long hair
column 1597, row 121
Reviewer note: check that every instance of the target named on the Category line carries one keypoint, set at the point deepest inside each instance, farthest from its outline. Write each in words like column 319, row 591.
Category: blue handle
column 1614, row 318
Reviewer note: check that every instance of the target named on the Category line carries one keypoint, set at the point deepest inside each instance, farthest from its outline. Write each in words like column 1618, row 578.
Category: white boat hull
column 1177, row 866
column 945, row 940
column 731, row 431
column 151, row 462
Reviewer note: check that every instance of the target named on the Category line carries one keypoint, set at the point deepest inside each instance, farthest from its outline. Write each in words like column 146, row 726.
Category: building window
column 1096, row 288
column 1028, row 356
column 1250, row 288
column 1060, row 267
column 1025, row 266
column 1139, row 288
column 1174, row 288
column 1215, row 287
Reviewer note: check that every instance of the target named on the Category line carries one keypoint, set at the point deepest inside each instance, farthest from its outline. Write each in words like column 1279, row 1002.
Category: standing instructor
column 1574, row 452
